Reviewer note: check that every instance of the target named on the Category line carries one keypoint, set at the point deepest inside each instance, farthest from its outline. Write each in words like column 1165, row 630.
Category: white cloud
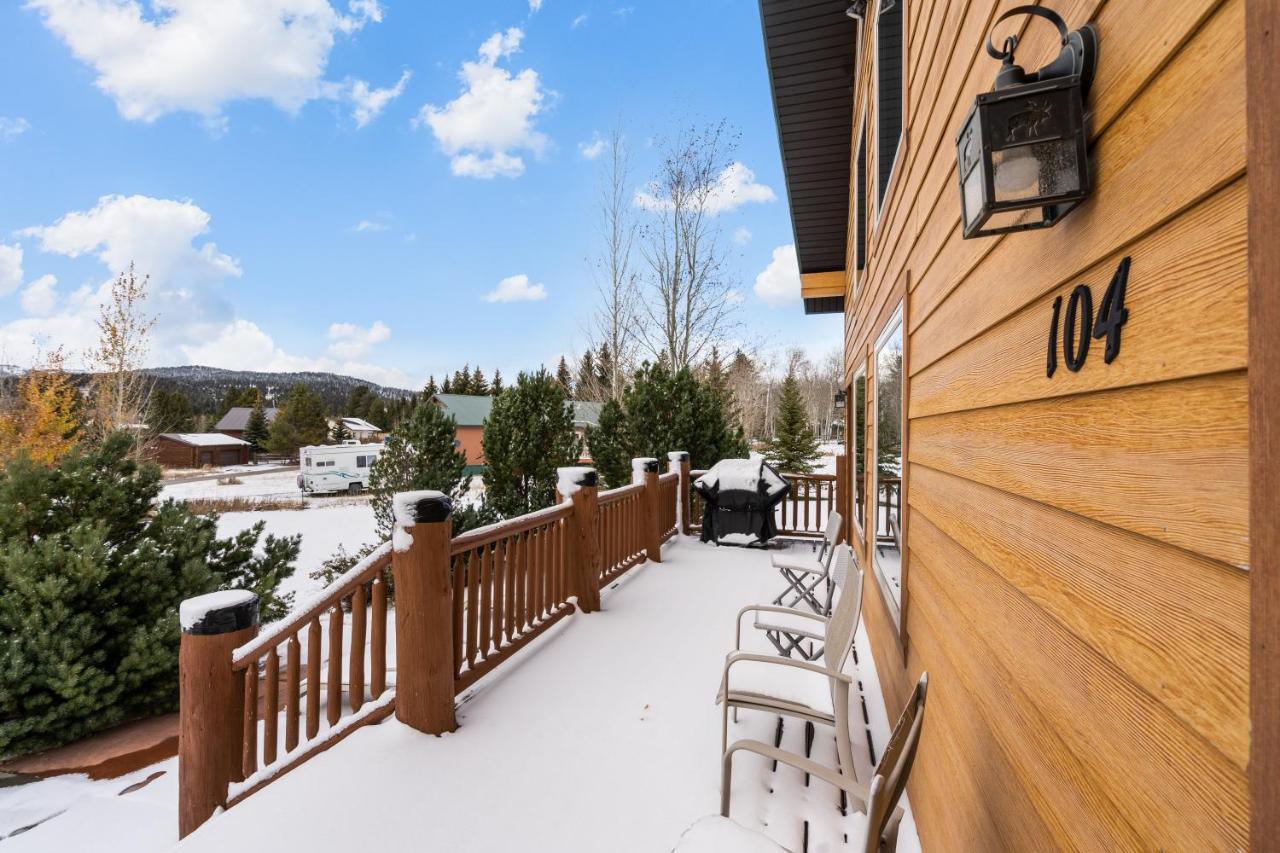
column 535, row 5
column 516, row 288
column 191, row 56
column 369, row 225
column 493, row 116
column 593, row 149
column 735, row 186
column 779, row 282
column 10, row 267
column 367, row 103
column 352, row 341
column 12, row 128
column 742, row 235
column 39, row 297
column 243, row 345
column 578, row 21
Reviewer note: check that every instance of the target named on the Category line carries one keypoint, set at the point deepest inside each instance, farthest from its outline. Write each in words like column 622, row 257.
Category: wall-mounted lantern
column 839, row 400
column 1022, row 154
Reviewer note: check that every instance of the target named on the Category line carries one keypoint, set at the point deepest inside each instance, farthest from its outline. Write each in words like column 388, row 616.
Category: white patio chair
column 805, row 573
column 789, row 629
column 802, row 689
column 877, row 804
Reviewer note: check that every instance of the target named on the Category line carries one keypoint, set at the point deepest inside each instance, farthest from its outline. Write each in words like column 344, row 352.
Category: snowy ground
column 603, row 735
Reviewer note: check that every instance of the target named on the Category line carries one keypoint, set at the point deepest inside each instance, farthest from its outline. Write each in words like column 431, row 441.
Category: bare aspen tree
column 687, row 308
column 614, row 320
column 120, row 391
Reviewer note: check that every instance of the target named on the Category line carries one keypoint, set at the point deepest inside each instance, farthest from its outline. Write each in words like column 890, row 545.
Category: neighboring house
column 237, row 418
column 195, row 449
column 471, row 411
column 360, row 429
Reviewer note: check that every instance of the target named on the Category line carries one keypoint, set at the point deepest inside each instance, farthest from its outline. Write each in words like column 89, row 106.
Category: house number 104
column 1080, row 324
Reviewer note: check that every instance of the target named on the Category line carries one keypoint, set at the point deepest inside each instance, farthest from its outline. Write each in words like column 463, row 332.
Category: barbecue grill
column 740, row 496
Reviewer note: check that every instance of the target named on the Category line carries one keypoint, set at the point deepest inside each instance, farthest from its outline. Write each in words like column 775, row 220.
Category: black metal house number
column 1080, row 325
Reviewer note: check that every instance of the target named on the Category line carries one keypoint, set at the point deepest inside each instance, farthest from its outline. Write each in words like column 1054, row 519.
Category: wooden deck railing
column 803, row 512
column 338, row 675
column 463, row 606
column 509, row 585
column 620, row 531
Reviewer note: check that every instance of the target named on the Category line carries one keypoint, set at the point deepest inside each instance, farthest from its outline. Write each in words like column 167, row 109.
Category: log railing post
column 211, row 701
column 678, row 461
column 583, row 487
column 420, row 561
column 645, row 470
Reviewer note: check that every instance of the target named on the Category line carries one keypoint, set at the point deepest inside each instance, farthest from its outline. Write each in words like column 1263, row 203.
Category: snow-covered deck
column 604, row 735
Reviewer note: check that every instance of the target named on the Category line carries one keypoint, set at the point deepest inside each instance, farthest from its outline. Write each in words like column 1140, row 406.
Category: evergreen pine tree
column 249, row 397
column 358, row 402
column 231, row 398
column 420, row 454
column 673, row 411
column 607, row 444
column 794, row 447
column 495, row 387
column 462, row 380
column 479, row 385
column 529, row 433
column 299, row 422
column 565, row 378
column 257, row 431
column 339, row 433
column 377, row 413
column 170, row 411
column 91, row 574
column 430, row 389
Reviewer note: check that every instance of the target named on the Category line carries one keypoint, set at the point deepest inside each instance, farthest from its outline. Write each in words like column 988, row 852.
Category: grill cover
column 740, row 496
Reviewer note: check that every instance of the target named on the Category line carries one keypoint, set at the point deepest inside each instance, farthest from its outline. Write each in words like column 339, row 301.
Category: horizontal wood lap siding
column 1078, row 545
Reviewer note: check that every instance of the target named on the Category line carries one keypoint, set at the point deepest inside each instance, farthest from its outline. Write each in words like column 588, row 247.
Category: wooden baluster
column 509, row 587
column 249, row 758
column 473, row 605
column 378, row 678
column 271, row 713
column 333, row 700
column 458, row 565
column 486, row 598
column 807, row 499
column 500, row 587
column 543, row 572
column 355, row 666
column 313, row 678
column 293, row 690
column 521, row 563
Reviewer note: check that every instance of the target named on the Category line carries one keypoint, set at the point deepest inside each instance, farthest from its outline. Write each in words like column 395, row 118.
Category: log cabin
column 1066, row 509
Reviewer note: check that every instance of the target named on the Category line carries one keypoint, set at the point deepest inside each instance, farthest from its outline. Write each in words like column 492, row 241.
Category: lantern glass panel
column 1040, row 170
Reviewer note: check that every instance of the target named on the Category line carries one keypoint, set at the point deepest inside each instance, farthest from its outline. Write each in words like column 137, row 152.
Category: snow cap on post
column 678, row 456
column 570, row 480
column 422, row 507
column 640, row 465
column 222, row 612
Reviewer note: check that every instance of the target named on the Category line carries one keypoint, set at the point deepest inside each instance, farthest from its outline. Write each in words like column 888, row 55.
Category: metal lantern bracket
column 1079, row 54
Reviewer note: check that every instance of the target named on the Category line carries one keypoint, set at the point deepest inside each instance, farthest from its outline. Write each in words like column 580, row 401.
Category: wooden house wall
column 1076, row 571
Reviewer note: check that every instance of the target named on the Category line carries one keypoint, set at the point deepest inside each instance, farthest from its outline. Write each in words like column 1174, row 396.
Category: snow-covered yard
column 602, row 735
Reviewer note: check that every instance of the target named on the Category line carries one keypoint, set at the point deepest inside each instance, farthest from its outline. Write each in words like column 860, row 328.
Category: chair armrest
column 771, row 608
column 736, row 657
column 858, row 793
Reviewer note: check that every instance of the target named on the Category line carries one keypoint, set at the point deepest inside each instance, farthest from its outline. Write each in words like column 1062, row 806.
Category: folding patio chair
column 808, row 691
column 791, row 629
column 804, row 574
column 877, row 803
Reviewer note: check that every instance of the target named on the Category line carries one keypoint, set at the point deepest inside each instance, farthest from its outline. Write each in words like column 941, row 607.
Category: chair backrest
column 895, row 766
column 830, row 536
column 843, row 622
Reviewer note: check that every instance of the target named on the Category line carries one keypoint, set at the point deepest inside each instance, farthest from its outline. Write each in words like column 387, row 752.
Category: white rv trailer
column 336, row 467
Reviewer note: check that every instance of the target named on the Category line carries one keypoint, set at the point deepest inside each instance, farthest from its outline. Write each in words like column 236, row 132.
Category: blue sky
column 235, row 158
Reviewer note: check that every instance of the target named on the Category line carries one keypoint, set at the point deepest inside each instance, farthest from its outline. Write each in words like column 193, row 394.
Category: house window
column 858, row 405
column 860, row 199
column 888, row 460
column 889, row 63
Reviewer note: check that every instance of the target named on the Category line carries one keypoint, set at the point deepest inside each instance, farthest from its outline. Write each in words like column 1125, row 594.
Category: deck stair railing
column 463, row 605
